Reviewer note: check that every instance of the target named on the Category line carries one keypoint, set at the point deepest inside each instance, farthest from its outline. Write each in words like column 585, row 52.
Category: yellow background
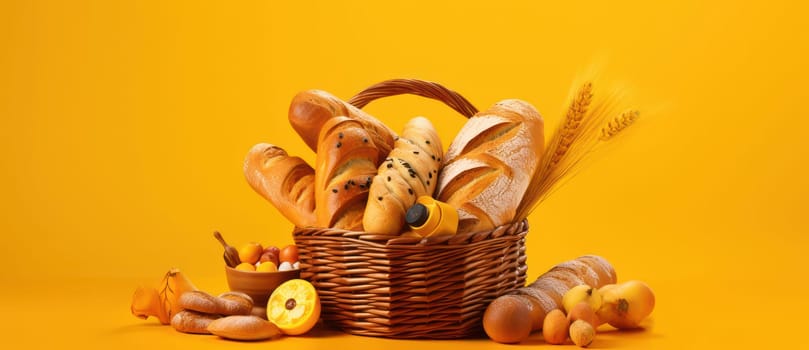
column 124, row 127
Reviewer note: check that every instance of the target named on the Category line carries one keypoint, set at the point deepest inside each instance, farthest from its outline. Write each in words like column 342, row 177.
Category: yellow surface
column 125, row 124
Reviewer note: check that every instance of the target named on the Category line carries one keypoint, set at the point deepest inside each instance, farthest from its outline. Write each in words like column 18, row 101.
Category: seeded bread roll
column 347, row 160
column 311, row 109
column 286, row 182
column 410, row 170
column 490, row 163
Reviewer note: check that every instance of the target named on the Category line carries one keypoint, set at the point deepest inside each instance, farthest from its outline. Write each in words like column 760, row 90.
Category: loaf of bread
column 490, row 163
column 347, row 160
column 287, row 182
column 409, row 171
column 311, row 109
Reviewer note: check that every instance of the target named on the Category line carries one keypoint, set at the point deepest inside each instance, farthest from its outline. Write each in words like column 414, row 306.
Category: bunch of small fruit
column 254, row 257
column 622, row 306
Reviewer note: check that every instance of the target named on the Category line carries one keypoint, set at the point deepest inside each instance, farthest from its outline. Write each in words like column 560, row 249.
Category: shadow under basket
column 399, row 287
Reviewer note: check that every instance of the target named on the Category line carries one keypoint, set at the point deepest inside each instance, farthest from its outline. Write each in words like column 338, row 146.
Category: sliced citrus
column 294, row 307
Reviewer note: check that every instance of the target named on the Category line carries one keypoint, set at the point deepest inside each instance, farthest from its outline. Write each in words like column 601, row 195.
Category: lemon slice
column 294, row 307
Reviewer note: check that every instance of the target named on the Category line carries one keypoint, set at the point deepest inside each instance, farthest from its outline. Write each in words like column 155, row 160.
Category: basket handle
column 415, row 87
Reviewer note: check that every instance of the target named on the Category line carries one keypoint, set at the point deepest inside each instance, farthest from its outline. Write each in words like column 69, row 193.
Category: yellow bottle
column 429, row 217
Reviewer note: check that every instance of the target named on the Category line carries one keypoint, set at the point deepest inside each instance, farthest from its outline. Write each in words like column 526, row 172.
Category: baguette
column 347, row 161
column 545, row 294
column 286, row 182
column 409, row 171
column 310, row 110
column 490, row 163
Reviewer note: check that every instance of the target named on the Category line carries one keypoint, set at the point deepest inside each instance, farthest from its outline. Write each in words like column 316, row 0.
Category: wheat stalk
column 618, row 124
column 572, row 126
column 585, row 126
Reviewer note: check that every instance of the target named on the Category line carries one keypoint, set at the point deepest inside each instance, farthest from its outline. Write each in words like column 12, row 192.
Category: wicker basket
column 401, row 287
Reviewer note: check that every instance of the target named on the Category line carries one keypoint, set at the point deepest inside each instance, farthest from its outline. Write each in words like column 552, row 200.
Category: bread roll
column 311, row 109
column 287, row 182
column 409, row 171
column 347, row 159
column 490, row 163
column 188, row 321
column 243, row 327
column 197, row 300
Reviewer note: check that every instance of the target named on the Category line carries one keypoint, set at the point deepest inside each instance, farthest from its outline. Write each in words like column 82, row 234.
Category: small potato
column 555, row 327
column 582, row 333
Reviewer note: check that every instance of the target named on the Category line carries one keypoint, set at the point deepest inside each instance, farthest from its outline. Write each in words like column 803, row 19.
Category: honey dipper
column 231, row 255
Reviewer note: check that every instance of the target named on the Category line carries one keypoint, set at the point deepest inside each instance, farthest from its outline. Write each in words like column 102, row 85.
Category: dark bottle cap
column 417, row 215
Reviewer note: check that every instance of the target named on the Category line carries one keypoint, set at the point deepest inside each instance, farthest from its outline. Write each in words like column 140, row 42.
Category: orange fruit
column 294, row 307
column 267, row 266
column 250, row 252
column 245, row 267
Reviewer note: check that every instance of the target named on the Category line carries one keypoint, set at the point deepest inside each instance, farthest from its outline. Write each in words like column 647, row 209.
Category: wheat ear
column 615, row 126
column 558, row 146
column 572, row 126
column 586, row 124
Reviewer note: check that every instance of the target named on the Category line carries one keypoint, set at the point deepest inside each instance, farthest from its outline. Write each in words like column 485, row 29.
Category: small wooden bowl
column 258, row 285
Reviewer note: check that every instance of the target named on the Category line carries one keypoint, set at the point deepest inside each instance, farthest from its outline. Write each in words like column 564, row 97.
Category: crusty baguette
column 311, row 109
column 347, row 159
column 287, row 182
column 490, row 163
column 409, row 171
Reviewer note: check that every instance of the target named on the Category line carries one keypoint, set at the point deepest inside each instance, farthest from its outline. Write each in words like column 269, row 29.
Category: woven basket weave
column 402, row 287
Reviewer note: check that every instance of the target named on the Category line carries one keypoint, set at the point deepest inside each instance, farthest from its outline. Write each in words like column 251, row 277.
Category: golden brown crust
column 409, row 171
column 286, row 182
column 310, row 110
column 188, row 321
column 347, row 159
column 241, row 302
column 243, row 328
column 604, row 270
column 490, row 163
column 208, row 304
column 578, row 268
column 551, row 286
